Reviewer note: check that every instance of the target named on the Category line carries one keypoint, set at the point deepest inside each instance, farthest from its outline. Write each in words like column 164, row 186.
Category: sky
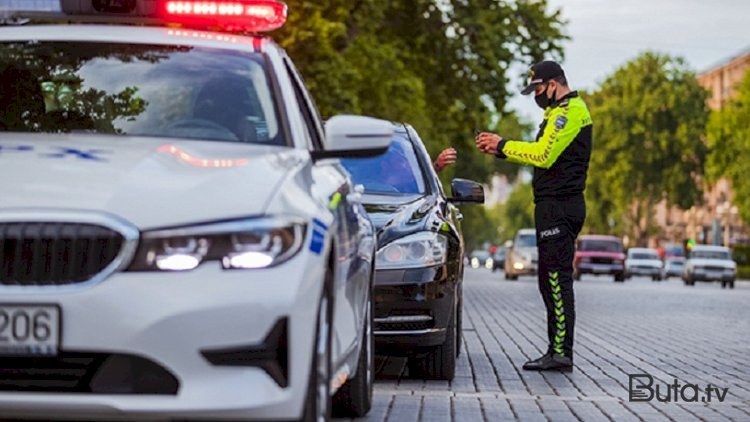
column 607, row 33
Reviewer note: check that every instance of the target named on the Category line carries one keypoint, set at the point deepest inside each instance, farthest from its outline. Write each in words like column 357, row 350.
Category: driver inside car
column 225, row 101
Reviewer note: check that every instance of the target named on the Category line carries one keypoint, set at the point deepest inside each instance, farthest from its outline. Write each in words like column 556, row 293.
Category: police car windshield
column 136, row 90
column 395, row 173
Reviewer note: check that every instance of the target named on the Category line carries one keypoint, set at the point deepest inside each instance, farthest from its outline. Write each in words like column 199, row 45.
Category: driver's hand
column 446, row 158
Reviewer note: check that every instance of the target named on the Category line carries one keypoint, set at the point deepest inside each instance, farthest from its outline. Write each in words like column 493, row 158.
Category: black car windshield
column 525, row 241
column 600, row 246
column 136, row 90
column 710, row 255
column 397, row 172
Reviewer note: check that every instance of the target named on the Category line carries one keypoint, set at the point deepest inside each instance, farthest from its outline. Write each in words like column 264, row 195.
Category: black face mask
column 544, row 101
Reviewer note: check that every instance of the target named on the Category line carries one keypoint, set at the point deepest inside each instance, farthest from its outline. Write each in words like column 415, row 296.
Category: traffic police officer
column 560, row 157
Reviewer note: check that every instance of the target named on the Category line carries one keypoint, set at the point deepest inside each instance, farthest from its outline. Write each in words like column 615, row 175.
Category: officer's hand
column 488, row 142
column 446, row 158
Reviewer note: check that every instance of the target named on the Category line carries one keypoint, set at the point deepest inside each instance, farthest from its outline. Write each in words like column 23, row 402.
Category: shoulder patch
column 560, row 122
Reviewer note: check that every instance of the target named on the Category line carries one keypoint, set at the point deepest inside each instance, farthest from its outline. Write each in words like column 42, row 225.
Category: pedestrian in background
column 560, row 157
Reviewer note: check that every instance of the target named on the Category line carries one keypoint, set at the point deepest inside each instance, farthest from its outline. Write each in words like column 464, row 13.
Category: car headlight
column 423, row 249
column 241, row 244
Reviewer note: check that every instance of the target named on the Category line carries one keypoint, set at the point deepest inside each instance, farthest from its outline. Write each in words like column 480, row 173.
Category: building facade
column 716, row 221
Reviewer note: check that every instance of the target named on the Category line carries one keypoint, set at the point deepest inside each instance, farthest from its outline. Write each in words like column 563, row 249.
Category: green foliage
column 650, row 118
column 728, row 140
column 498, row 224
column 743, row 273
column 741, row 255
column 518, row 212
column 441, row 65
column 479, row 226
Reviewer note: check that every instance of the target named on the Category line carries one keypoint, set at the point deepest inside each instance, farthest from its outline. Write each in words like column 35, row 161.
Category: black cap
column 541, row 73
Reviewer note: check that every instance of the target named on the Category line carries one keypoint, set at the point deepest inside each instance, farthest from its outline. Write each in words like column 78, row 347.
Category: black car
column 419, row 268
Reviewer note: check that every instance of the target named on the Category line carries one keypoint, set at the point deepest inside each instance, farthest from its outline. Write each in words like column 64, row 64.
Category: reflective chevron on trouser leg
column 559, row 309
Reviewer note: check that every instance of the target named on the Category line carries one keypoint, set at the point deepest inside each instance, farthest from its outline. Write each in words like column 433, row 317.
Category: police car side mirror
column 355, row 137
column 466, row 192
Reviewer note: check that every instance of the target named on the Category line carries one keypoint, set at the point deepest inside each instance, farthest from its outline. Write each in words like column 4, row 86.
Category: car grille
column 601, row 260
column 43, row 254
column 404, row 326
column 713, row 269
column 93, row 373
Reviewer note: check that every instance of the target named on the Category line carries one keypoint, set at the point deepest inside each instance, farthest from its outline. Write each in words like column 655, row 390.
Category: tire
column 439, row 363
column 731, row 284
column 354, row 399
column 620, row 278
column 690, row 281
column 576, row 276
column 723, row 284
column 318, row 401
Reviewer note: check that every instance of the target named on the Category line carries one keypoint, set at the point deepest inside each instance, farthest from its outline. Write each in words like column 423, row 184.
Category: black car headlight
column 239, row 244
column 423, row 249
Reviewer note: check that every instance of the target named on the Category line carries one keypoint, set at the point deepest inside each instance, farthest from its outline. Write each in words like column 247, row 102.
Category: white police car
column 176, row 237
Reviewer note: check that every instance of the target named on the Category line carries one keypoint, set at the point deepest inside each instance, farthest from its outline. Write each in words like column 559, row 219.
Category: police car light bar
column 231, row 15
column 252, row 15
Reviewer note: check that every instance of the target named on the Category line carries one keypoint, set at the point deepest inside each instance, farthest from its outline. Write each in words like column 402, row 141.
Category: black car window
column 397, row 172
column 137, row 90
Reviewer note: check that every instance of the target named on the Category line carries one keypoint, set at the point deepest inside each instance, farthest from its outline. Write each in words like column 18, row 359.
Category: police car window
column 396, row 172
column 309, row 112
column 136, row 90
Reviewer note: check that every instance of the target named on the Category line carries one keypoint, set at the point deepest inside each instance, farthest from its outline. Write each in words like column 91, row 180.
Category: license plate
column 601, row 268
column 29, row 330
column 713, row 275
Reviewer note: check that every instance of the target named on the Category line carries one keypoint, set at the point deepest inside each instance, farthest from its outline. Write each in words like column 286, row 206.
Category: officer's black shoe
column 550, row 362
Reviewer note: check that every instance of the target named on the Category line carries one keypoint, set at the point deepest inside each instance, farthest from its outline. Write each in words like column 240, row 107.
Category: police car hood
column 150, row 182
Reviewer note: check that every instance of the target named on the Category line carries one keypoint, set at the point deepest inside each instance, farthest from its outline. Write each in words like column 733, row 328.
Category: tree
column 441, row 65
column 518, row 212
column 649, row 144
column 729, row 144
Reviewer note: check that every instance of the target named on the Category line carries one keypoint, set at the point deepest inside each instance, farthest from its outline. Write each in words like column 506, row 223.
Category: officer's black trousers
column 558, row 223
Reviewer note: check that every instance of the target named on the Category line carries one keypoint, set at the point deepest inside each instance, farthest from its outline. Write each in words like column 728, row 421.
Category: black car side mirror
column 466, row 192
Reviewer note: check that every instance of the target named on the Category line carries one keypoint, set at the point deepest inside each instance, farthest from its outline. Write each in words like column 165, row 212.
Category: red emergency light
column 247, row 15
column 230, row 15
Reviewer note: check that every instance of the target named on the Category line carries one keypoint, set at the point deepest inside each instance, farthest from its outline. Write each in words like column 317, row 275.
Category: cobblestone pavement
column 698, row 335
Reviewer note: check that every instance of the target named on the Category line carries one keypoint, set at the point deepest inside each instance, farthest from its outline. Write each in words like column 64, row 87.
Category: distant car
column 643, row 262
column 597, row 254
column 673, row 267
column 522, row 257
column 480, row 259
column 710, row 263
column 498, row 259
